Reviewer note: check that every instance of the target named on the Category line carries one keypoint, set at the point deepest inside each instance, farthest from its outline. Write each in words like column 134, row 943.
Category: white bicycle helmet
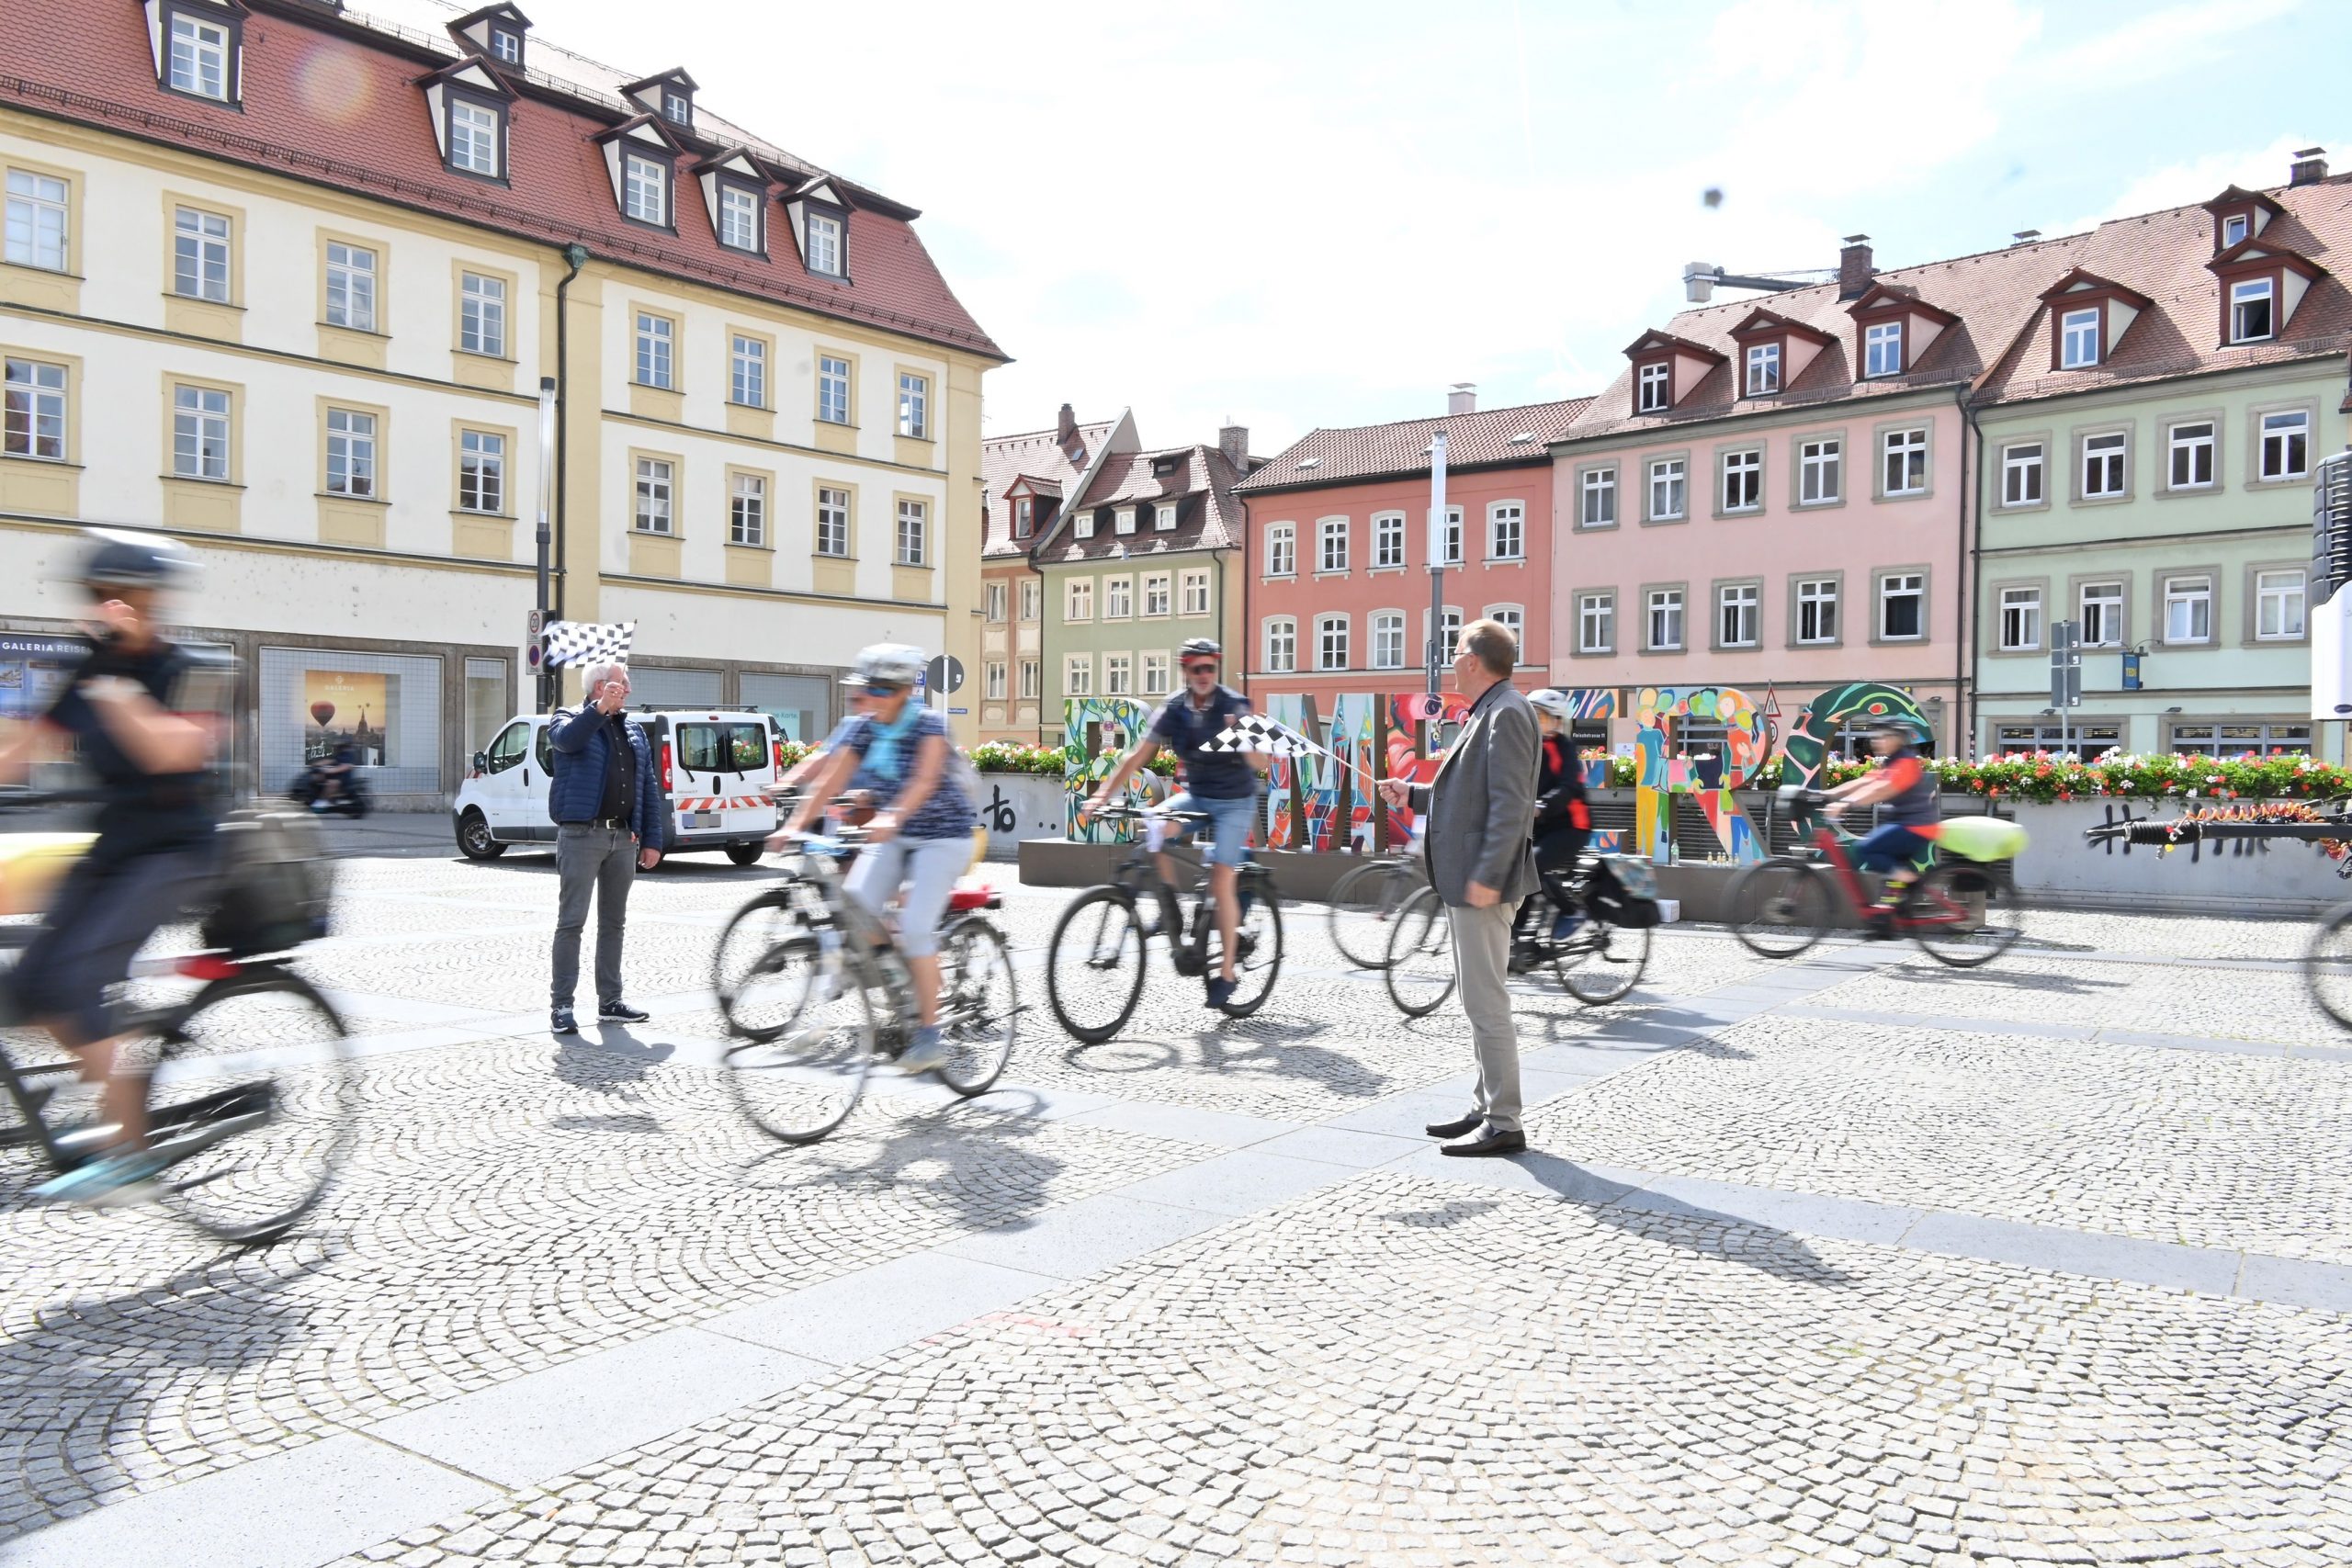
column 1554, row 701
column 886, row 664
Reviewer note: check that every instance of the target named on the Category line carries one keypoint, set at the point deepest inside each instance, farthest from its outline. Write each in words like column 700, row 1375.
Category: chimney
column 2309, row 167
column 1234, row 442
column 1462, row 398
column 2024, row 236
column 1067, row 426
column 1854, row 267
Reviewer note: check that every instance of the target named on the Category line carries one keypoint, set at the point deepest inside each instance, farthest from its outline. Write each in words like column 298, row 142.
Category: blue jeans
column 1889, row 847
column 1228, row 825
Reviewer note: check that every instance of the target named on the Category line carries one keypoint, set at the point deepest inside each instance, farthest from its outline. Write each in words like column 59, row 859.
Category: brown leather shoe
column 1469, row 1123
column 1488, row 1142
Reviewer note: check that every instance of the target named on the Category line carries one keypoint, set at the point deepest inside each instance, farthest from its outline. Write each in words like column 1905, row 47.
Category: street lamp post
column 543, row 536
column 1437, row 561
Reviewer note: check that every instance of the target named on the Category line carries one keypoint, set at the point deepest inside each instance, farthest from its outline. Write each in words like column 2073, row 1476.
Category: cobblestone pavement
column 1850, row 1258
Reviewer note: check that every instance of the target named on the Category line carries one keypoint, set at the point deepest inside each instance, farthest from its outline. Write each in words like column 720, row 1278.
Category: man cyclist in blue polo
column 154, row 853
column 1906, row 785
column 1223, row 785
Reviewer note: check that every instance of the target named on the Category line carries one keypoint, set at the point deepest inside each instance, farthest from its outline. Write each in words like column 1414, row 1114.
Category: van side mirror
column 481, row 762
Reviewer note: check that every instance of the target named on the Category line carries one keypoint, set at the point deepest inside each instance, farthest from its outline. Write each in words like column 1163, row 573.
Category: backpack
column 275, row 882
column 1611, row 895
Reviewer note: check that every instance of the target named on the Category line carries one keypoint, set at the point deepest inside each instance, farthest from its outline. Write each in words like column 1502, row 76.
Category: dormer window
column 2078, row 339
column 474, row 137
column 825, row 243
column 2238, row 226
column 1652, row 385
column 469, row 106
column 200, row 58
column 1883, row 349
column 738, row 219
column 1025, row 517
column 1763, row 369
column 2260, row 286
column 645, row 189
column 2252, row 309
column 1163, row 517
column 495, row 31
column 669, row 96
column 677, row 108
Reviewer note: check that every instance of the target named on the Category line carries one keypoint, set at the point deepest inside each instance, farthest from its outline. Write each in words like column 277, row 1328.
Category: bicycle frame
column 1828, row 845
column 1138, row 876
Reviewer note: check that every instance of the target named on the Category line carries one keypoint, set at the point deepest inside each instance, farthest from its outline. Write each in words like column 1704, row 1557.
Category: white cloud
column 2196, row 180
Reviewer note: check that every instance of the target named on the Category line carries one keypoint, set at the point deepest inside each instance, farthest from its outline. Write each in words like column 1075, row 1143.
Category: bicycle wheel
column 254, row 1092
column 979, row 1006
column 1259, row 959
column 1779, row 907
column 1363, row 905
column 2327, row 966
column 767, row 919
column 1604, row 962
column 1963, row 915
column 799, row 1083
column 1095, row 964
column 1420, row 971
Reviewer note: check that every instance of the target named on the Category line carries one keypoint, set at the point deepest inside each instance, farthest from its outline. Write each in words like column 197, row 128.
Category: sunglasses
column 873, row 691
column 1200, row 668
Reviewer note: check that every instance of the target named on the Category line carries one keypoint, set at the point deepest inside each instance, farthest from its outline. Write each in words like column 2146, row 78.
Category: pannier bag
column 1980, row 838
column 274, row 880
column 1610, row 893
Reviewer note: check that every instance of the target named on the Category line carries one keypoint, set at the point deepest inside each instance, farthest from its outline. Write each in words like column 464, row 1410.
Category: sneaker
column 619, row 1011
column 1523, row 957
column 1878, row 925
column 1220, row 992
column 926, row 1049
column 115, row 1181
column 560, row 1022
column 1564, row 926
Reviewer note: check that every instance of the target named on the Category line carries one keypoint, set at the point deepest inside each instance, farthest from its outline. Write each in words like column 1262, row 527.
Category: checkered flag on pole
column 1256, row 734
column 587, row 642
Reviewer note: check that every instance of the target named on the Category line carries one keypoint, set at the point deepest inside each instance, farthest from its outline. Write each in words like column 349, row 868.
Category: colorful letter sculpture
column 1747, row 742
column 1807, row 747
column 1096, row 732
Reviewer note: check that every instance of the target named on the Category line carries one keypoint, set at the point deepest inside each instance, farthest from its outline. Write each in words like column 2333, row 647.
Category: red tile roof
column 1037, row 454
column 335, row 101
column 1353, row 453
column 1202, row 480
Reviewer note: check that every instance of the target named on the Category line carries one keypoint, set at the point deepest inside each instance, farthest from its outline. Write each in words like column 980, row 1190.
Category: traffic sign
column 534, row 627
column 944, row 675
column 2066, row 666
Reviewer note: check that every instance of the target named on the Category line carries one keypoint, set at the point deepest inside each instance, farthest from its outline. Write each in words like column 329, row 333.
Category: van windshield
column 724, row 747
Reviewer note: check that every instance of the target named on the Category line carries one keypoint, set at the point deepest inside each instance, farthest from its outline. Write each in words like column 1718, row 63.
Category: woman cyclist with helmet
column 154, row 851
column 920, row 839
column 1906, row 786
column 1563, row 819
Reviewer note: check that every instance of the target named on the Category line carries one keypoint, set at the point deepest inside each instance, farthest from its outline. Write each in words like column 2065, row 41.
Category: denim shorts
column 1228, row 825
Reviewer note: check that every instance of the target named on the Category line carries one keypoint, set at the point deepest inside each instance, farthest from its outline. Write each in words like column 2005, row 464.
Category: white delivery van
column 715, row 764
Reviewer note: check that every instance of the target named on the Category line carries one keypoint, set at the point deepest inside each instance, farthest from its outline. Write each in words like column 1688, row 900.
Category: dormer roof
column 647, row 93
column 2081, row 283
column 733, row 161
column 1658, row 341
column 1761, row 324
column 473, row 72
column 648, row 130
column 1031, row 485
column 2253, row 248
column 1898, row 296
column 2238, row 195
column 468, row 30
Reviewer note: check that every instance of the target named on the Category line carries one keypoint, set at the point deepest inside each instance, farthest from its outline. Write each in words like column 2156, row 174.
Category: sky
column 1323, row 212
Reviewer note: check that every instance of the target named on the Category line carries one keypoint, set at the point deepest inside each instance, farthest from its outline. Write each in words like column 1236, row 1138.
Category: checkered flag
column 1256, row 734
column 587, row 642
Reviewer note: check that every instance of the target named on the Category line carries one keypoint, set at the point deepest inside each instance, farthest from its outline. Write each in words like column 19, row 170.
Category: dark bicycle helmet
column 1199, row 648
column 1914, row 730
column 117, row 557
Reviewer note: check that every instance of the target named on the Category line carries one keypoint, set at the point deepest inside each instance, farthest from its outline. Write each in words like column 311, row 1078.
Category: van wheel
column 746, row 854
column 474, row 841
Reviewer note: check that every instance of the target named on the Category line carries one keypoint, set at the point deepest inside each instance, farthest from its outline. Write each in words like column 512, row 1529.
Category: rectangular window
column 199, row 433
column 1155, row 675
column 1665, row 490
column 2077, row 738
column 2241, row 740
column 1902, row 606
column 825, row 243
column 738, row 219
column 2191, row 447
column 2188, row 609
column 1083, row 525
column 506, row 46
column 2279, row 605
column 747, row 511
column 1817, row 610
column 656, row 340
column 1028, row 678
column 200, row 58
column 1599, row 508
column 1333, row 532
column 473, row 138
column 1735, row 615
column 645, row 189
column 1025, row 517
column 1387, row 640
column 832, row 523
column 1122, row 521
column 1118, row 674
column 995, row 680
column 1282, row 557
column 996, row 602
column 2103, row 465
column 1653, row 381
column 1197, row 593
column 1743, row 488
column 2250, row 310
column 1453, row 536
column 1155, row 594
column 2234, row 228
column 1078, row 599
column 2020, row 619
column 2100, row 608
column 1078, row 675
column 1033, row 597
column 1389, row 539
column 351, row 453
column 351, row 286
column 482, row 315
column 1508, row 617
column 914, row 532
column 32, row 412
column 1763, row 369
column 1666, row 618
column 2022, row 474
column 1883, row 349
column 1281, row 644
column 1450, row 625
column 2078, row 339
column 655, row 478
column 1331, row 642
column 1119, row 598
column 832, row 390
column 1507, row 531
column 36, row 220
column 1904, row 462
column 200, row 254
column 1163, row 517
column 914, row 406
column 2286, row 446
column 1820, row 471
column 1596, row 623
column 747, row 371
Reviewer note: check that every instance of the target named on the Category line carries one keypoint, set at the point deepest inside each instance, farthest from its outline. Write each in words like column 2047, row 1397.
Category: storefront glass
column 798, row 704
column 33, row 671
column 487, row 706
column 657, row 688
column 383, row 709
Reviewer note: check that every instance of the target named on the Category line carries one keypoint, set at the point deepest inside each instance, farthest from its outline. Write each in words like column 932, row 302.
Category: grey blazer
column 1481, row 804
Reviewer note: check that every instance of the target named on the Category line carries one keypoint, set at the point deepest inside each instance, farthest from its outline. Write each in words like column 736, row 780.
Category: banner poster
column 348, row 708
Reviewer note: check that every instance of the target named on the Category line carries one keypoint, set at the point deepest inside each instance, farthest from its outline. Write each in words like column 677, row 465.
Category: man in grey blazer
column 1481, row 810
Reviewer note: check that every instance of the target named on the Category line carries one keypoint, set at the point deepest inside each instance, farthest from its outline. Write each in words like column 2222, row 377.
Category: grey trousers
column 602, row 861
column 1481, row 960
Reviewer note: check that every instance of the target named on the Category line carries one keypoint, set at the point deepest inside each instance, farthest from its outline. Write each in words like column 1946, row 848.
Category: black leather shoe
column 1488, row 1143
column 1454, row 1128
column 560, row 1022
column 619, row 1011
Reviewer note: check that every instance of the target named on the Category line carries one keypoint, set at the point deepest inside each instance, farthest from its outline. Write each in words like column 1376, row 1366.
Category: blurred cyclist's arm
column 158, row 741
column 27, row 742
column 830, row 777
column 1141, row 756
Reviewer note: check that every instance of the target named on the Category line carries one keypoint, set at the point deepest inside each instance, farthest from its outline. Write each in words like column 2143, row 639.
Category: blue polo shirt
column 1183, row 730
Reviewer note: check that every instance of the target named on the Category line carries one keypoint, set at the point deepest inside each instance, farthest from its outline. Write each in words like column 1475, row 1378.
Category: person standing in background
column 612, row 821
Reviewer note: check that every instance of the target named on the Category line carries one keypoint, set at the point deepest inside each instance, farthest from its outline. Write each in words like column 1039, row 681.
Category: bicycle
column 250, row 1088
column 1598, row 962
column 832, row 998
column 1095, row 963
column 1366, row 901
column 1965, row 912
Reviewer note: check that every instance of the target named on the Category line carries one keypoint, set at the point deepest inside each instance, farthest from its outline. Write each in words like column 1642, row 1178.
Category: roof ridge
column 1425, row 419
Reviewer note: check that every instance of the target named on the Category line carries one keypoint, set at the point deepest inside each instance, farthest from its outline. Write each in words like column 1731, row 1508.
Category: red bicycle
column 1965, row 912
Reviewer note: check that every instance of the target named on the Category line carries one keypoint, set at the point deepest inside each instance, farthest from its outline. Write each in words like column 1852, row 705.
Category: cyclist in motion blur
column 154, row 851
column 1906, row 786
